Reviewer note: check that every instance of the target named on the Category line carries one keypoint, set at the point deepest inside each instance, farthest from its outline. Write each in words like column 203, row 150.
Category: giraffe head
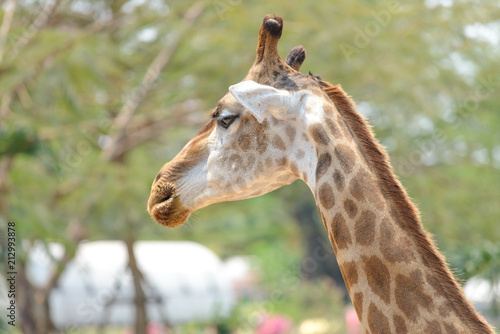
column 255, row 142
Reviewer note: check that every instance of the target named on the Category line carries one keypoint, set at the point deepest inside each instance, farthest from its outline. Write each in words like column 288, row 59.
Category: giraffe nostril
column 161, row 194
column 165, row 206
column 165, row 198
column 164, row 194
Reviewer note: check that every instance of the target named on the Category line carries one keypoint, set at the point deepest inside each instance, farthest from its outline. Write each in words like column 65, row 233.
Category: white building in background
column 184, row 282
column 481, row 292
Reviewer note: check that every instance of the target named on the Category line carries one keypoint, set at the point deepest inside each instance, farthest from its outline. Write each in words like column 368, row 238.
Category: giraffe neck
column 390, row 273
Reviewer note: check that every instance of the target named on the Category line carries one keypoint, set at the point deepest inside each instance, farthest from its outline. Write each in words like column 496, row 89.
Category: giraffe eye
column 226, row 121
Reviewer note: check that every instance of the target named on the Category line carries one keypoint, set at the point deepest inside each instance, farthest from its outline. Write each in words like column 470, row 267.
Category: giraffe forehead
column 228, row 105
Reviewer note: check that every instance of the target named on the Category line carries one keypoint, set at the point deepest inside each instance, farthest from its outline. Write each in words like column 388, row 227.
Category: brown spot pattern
column 357, row 301
column 445, row 309
column 244, row 142
column 294, row 168
column 329, row 232
column 238, row 181
column 290, row 132
column 394, row 249
column 319, row 135
column 250, row 161
column 350, row 273
column 395, row 217
column 338, row 178
column 433, row 327
column 351, row 208
column 364, row 228
column 305, row 137
column 246, row 123
column 334, row 129
column 278, row 143
column 326, row 197
column 377, row 321
column 378, row 277
column 234, row 161
column 399, row 324
column 283, row 161
column 345, row 156
column 363, row 187
column 300, row 154
column 357, row 189
column 260, row 168
column 340, row 231
column 262, row 143
column 434, row 283
column 450, row 329
column 410, row 295
column 324, row 162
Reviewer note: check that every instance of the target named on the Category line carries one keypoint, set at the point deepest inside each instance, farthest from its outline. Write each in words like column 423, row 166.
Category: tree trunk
column 33, row 301
column 317, row 245
column 25, row 301
column 141, row 320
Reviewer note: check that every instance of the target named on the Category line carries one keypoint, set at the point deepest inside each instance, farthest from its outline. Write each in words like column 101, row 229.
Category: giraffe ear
column 263, row 100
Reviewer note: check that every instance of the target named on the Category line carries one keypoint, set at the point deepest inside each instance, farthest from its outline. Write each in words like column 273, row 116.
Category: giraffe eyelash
column 226, row 121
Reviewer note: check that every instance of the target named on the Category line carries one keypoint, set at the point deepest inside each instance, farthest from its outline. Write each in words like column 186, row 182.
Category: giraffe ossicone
column 279, row 125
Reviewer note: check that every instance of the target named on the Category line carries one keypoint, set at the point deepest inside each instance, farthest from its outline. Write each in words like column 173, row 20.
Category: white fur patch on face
column 225, row 113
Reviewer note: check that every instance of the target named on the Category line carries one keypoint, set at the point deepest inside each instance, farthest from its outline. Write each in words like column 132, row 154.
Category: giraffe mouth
column 165, row 207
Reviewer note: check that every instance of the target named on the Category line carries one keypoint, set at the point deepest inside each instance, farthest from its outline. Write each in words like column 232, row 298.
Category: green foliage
column 309, row 300
column 482, row 260
column 303, row 300
column 17, row 141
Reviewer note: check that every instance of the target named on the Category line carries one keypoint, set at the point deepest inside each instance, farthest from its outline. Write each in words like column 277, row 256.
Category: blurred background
column 95, row 96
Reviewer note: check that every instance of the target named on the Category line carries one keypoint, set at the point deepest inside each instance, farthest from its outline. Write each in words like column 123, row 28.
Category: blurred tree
column 66, row 153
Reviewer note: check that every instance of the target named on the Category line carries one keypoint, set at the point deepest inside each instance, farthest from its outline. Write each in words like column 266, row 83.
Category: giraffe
column 279, row 125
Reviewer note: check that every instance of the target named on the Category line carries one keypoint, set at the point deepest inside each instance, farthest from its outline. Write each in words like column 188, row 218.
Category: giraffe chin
column 169, row 213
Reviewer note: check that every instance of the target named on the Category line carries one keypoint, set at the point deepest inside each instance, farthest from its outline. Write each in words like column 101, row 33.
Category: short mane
column 405, row 210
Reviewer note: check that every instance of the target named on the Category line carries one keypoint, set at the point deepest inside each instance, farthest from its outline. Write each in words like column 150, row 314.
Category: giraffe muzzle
column 165, row 207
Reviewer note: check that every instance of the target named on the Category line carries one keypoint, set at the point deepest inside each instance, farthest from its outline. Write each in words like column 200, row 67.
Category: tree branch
column 45, row 62
column 139, row 93
column 141, row 317
column 40, row 22
column 10, row 7
column 138, row 132
column 5, row 166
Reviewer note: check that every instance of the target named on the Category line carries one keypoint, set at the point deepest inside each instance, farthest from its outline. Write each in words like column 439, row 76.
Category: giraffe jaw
column 165, row 207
